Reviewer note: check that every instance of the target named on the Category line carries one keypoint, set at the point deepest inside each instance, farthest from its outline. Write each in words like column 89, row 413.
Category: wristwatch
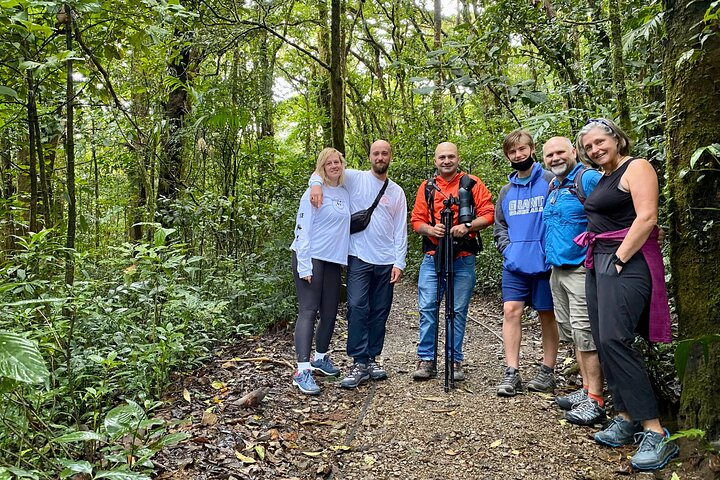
column 616, row 260
column 468, row 225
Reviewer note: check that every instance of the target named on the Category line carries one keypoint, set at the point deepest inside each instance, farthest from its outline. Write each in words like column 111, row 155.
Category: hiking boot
column 458, row 372
column 544, row 381
column 566, row 402
column 357, row 375
column 587, row 412
column 325, row 366
column 654, row 452
column 618, row 432
column 306, row 383
column 510, row 384
column 375, row 371
column 425, row 369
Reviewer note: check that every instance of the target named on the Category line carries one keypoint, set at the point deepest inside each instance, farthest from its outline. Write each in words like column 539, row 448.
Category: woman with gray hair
column 625, row 287
column 320, row 250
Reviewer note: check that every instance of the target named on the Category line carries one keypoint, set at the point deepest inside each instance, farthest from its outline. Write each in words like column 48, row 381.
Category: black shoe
column 357, row 375
column 543, row 382
column 425, row 370
column 510, row 384
column 587, row 412
column 566, row 402
column 375, row 371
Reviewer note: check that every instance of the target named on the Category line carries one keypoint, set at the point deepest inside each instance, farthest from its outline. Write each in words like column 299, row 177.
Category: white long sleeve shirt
column 384, row 241
column 322, row 233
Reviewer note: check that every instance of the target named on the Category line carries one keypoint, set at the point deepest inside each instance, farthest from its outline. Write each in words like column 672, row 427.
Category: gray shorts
column 568, row 291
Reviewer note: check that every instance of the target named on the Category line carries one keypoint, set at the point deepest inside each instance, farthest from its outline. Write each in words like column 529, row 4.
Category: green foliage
column 20, row 359
column 683, row 348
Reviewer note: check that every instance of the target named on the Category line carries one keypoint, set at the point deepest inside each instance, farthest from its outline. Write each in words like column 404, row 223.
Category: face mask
column 524, row 165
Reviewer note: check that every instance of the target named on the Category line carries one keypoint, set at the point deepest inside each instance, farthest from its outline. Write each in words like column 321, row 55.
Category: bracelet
column 316, row 183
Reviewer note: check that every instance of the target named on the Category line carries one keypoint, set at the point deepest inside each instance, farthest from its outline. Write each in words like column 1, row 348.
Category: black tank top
column 609, row 208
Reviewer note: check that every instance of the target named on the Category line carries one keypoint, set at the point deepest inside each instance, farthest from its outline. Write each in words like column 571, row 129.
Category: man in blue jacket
column 519, row 234
column 565, row 218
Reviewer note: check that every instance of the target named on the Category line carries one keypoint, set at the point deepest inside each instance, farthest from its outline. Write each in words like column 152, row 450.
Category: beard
column 380, row 168
column 560, row 170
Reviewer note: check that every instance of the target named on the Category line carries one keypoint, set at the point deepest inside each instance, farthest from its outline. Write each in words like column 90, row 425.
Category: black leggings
column 322, row 295
column 616, row 306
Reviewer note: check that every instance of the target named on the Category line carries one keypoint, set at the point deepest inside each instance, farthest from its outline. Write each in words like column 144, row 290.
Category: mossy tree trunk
column 692, row 82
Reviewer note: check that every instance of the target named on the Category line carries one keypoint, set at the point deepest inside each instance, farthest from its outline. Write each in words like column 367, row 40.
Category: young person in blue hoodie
column 519, row 234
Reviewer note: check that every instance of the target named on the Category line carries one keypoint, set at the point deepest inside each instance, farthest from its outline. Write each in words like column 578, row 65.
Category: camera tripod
column 444, row 267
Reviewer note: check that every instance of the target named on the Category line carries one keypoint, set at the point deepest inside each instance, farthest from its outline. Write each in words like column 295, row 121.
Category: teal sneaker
column 618, row 432
column 325, row 366
column 306, row 383
column 654, row 452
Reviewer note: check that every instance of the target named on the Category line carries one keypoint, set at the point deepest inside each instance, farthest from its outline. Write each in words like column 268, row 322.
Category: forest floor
column 392, row 429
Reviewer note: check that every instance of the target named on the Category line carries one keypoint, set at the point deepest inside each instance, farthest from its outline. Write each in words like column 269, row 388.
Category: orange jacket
column 421, row 215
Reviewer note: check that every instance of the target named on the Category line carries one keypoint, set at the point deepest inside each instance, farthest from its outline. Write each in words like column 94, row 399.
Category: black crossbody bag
column 360, row 220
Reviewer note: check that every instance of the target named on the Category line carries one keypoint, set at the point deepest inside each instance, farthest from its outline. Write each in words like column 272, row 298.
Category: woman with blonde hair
column 625, row 287
column 320, row 250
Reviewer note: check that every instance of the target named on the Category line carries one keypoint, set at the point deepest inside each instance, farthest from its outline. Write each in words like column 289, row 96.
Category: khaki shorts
column 568, row 291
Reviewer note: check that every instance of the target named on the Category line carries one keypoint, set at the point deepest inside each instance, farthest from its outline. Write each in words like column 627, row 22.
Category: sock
column 547, row 369
column 303, row 366
column 319, row 356
column 598, row 399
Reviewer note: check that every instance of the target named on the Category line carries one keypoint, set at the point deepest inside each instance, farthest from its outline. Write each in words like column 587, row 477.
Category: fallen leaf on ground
column 313, row 454
column 344, row 448
column 433, row 399
column 208, row 419
column 316, row 422
column 496, row 443
column 186, row 395
column 451, row 452
column 244, row 458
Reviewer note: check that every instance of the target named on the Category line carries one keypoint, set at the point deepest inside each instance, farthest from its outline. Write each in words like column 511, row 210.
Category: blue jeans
column 369, row 298
column 427, row 294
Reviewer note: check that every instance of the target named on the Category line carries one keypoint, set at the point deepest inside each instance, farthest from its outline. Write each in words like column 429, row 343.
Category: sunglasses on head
column 601, row 121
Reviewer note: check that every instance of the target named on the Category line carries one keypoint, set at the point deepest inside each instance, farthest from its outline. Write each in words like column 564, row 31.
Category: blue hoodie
column 519, row 231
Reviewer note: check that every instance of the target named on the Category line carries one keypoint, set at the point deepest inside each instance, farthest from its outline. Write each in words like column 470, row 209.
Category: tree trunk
column 337, row 68
column 323, row 89
column 437, row 94
column 32, row 160
column 623, row 108
column 70, row 155
column 170, row 167
column 693, row 112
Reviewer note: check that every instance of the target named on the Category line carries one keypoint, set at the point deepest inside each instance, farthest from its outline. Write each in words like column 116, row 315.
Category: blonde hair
column 517, row 136
column 320, row 165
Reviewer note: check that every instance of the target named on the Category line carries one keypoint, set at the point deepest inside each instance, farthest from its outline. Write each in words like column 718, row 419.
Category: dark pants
column 369, row 295
column 616, row 306
column 322, row 295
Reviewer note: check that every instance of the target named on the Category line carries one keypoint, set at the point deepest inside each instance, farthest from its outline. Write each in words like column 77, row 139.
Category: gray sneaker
column 375, row 371
column 566, row 402
column 425, row 370
column 654, row 452
column 587, row 412
column 510, row 384
column 544, row 381
column 358, row 374
column 618, row 432
column 458, row 372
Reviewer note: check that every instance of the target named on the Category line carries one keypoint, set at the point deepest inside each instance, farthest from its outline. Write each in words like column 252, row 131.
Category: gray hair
column 608, row 127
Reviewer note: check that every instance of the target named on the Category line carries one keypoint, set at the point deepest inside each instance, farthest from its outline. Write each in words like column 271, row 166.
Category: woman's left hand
column 308, row 278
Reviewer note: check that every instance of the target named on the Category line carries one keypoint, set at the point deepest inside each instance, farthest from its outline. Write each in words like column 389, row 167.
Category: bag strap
column 379, row 195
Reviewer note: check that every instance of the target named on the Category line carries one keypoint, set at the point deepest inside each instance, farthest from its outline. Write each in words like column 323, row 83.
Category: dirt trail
column 391, row 429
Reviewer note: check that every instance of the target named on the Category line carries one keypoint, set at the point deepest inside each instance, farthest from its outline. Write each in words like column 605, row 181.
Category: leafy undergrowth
column 391, row 429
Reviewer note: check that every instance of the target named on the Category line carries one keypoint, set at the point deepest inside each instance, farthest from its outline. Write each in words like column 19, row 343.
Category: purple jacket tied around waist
column 659, row 330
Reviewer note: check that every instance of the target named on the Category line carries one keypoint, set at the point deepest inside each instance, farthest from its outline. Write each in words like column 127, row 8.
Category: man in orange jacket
column 425, row 220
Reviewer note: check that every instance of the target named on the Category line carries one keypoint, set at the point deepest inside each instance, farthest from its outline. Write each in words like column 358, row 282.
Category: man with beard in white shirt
column 375, row 262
